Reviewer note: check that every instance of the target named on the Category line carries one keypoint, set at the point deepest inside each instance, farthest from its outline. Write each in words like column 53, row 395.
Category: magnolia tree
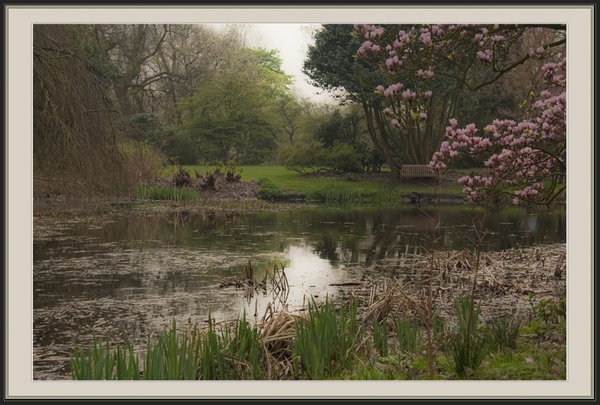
column 526, row 158
column 519, row 155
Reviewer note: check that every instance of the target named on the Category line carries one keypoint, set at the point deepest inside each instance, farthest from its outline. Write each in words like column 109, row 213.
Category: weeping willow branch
column 74, row 140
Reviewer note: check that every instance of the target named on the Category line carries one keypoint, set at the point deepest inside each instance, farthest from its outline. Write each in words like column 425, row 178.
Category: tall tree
column 455, row 67
column 160, row 63
column 232, row 117
column 290, row 112
column 189, row 55
column 331, row 64
column 379, row 76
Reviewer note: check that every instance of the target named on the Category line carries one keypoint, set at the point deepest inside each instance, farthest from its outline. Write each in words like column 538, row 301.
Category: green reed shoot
column 505, row 331
column 165, row 193
column 325, row 340
column 409, row 335
column 102, row 363
column 380, row 337
column 469, row 345
column 244, row 350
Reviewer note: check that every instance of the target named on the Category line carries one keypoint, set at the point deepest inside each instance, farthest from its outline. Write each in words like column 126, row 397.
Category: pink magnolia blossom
column 518, row 155
column 409, row 95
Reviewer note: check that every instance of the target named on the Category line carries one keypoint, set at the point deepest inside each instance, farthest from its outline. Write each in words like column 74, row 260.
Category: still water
column 139, row 270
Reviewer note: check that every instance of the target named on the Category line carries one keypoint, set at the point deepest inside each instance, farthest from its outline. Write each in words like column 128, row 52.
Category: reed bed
column 334, row 194
column 349, row 338
column 165, row 193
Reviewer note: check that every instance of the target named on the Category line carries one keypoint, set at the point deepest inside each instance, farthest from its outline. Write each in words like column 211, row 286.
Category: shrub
column 343, row 158
column 305, row 157
column 183, row 147
column 268, row 190
column 142, row 161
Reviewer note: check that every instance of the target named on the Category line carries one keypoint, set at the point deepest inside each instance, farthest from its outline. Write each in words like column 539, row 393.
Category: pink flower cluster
column 370, row 33
column 433, row 38
column 517, row 155
column 425, row 74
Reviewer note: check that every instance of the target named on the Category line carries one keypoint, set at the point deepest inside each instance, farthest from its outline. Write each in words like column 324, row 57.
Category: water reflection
column 139, row 270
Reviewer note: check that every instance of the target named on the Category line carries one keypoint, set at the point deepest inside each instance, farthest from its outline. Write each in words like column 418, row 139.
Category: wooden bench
column 417, row 171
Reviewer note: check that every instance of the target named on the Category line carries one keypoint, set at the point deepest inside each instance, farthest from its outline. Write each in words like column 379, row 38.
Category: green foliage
column 342, row 158
column 368, row 372
column 326, row 341
column 212, row 354
column 470, row 344
column 505, row 331
column 170, row 357
column 268, row 190
column 270, row 62
column 326, row 188
column 147, row 127
column 409, row 335
column 104, row 363
column 190, row 355
column 549, row 316
column 165, row 193
column 331, row 65
column 527, row 363
column 244, row 350
column 340, row 128
column 312, row 157
column 94, row 365
column 183, row 147
column 327, row 344
column 380, row 336
column 306, row 157
column 370, row 158
column 337, row 194
column 141, row 161
column 549, row 311
column 233, row 116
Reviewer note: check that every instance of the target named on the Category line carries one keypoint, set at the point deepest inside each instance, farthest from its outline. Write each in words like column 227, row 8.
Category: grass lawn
column 376, row 184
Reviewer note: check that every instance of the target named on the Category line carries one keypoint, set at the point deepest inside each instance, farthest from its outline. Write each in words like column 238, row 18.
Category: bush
column 343, row 158
column 268, row 190
column 305, row 157
column 146, row 127
column 183, row 147
column 142, row 162
column 312, row 157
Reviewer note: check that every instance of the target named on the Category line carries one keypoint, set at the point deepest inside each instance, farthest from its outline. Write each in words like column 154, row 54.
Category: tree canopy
column 232, row 117
column 447, row 70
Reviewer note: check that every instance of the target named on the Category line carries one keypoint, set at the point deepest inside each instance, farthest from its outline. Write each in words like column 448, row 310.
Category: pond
column 137, row 270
